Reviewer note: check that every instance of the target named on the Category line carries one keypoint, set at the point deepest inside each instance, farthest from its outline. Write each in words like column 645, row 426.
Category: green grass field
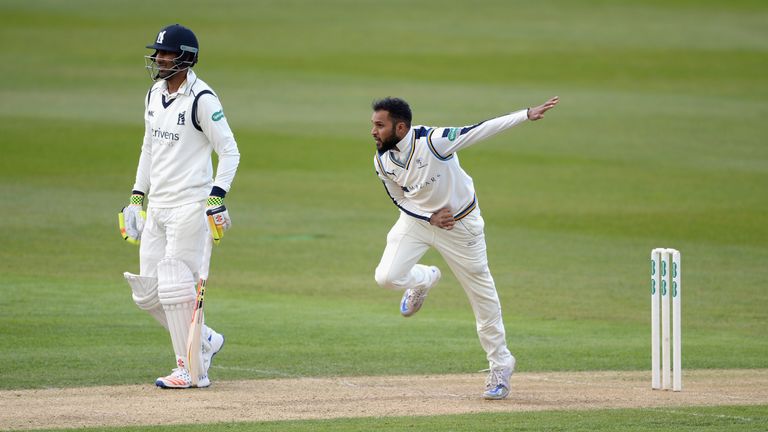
column 651, row 420
column 659, row 140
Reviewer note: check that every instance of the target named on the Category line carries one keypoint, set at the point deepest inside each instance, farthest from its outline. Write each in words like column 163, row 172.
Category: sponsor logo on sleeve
column 452, row 134
column 218, row 115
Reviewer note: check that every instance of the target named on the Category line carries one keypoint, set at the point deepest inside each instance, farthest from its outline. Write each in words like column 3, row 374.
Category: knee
column 144, row 290
column 384, row 279
column 175, row 282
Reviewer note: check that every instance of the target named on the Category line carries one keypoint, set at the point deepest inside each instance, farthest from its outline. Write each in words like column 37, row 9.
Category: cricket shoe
column 180, row 379
column 211, row 346
column 413, row 298
column 497, row 383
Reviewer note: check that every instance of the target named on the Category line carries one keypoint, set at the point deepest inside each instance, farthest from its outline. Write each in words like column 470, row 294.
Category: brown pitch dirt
column 324, row 398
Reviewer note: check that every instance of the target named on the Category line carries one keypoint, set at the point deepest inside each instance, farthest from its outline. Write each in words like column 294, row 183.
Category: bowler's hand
column 537, row 113
column 443, row 218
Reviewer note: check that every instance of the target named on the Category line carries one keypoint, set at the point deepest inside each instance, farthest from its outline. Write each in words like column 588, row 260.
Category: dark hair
column 397, row 108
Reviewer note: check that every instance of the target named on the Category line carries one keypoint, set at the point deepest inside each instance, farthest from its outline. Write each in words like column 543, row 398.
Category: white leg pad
column 176, row 291
column 144, row 293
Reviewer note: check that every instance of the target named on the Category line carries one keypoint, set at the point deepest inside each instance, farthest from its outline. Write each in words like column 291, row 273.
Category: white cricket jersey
column 422, row 175
column 175, row 167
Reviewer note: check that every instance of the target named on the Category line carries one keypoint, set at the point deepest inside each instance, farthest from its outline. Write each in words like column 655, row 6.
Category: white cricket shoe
column 211, row 346
column 413, row 298
column 180, row 379
column 497, row 383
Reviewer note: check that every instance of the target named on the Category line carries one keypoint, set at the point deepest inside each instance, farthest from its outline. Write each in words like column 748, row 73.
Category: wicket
column 662, row 377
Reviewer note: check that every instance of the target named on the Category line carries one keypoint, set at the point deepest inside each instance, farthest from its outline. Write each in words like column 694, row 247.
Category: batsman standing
column 420, row 169
column 184, row 123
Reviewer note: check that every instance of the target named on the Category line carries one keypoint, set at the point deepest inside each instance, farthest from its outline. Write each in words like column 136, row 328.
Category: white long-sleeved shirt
column 422, row 174
column 175, row 166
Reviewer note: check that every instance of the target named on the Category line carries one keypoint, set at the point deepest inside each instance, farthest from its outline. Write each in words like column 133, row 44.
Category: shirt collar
column 186, row 86
column 405, row 144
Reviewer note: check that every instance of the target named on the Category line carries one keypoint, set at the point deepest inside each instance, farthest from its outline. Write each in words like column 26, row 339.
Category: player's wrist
column 136, row 199
column 214, row 201
column 217, row 192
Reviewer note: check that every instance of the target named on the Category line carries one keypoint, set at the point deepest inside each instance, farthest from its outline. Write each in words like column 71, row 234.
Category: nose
column 373, row 131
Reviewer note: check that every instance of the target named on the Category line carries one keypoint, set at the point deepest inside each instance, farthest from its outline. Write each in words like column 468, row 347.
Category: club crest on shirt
column 181, row 120
column 420, row 163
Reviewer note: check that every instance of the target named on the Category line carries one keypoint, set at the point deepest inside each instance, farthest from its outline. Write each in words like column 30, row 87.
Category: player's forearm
column 473, row 134
column 399, row 199
column 219, row 134
column 412, row 211
column 226, row 169
column 142, row 171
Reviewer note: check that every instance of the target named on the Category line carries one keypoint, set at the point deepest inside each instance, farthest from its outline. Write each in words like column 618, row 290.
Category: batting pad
column 144, row 293
column 176, row 291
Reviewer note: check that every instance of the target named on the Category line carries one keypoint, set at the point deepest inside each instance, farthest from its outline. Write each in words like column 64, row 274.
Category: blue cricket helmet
column 178, row 39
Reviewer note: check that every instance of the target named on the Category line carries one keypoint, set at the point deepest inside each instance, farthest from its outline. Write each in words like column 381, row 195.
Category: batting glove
column 131, row 219
column 218, row 217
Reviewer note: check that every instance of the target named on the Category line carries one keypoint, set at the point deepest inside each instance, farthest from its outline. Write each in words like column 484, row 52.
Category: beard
column 165, row 74
column 389, row 143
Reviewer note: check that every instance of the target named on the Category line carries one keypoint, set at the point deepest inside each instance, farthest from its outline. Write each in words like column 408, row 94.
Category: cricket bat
column 194, row 355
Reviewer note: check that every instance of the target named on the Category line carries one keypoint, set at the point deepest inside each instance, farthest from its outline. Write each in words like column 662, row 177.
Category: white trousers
column 463, row 248
column 174, row 233
column 174, row 238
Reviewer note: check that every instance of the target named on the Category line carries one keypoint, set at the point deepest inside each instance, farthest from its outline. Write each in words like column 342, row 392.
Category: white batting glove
column 131, row 219
column 218, row 217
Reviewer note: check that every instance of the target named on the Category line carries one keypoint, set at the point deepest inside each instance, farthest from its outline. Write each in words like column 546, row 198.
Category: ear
column 401, row 129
